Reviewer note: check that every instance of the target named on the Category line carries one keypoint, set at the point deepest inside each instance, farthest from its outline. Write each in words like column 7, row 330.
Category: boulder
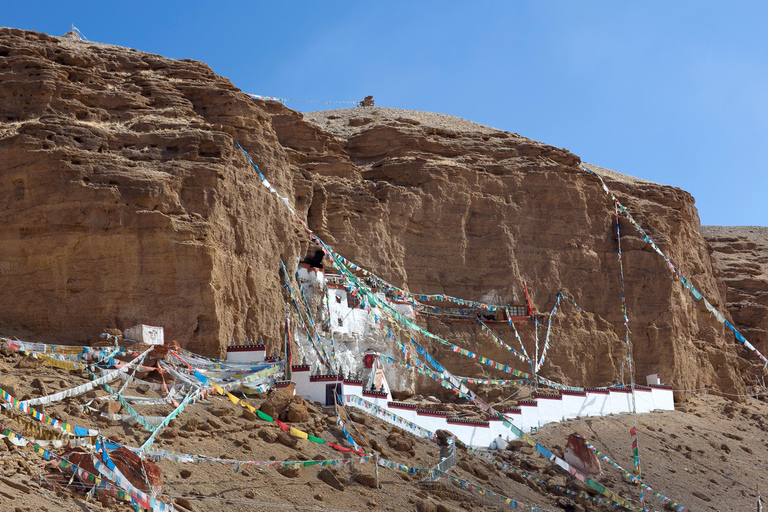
column 277, row 401
column 578, row 455
column 297, row 413
column 325, row 475
column 288, row 440
column 366, row 480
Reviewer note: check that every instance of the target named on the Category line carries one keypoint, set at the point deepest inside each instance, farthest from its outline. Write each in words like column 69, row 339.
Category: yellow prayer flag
column 298, row 433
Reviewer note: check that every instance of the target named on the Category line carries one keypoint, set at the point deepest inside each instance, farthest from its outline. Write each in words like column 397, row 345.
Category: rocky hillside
column 127, row 200
column 707, row 455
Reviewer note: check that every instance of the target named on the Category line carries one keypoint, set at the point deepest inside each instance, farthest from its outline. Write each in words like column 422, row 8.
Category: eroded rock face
column 442, row 206
column 740, row 254
column 127, row 200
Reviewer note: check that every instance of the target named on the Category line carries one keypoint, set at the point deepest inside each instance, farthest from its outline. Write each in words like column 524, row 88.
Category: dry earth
column 708, row 455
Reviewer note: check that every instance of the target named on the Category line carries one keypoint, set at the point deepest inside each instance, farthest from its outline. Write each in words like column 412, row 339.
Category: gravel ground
column 338, row 121
column 754, row 233
column 616, row 176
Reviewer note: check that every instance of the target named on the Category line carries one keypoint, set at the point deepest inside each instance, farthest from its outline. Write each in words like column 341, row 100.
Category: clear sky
column 671, row 92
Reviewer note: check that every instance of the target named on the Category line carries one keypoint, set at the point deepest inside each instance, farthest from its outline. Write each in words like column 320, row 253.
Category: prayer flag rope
column 14, row 403
column 321, row 353
column 501, row 342
column 64, row 463
column 369, row 406
column 628, row 343
column 546, row 339
column 283, row 426
column 517, row 335
column 486, row 492
column 633, row 478
column 79, row 390
column 675, row 270
column 508, row 467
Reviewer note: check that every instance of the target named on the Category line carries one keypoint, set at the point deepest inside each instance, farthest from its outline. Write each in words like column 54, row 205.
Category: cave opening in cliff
column 314, row 257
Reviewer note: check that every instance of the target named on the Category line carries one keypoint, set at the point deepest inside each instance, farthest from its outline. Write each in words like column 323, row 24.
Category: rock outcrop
column 740, row 254
column 440, row 205
column 127, row 200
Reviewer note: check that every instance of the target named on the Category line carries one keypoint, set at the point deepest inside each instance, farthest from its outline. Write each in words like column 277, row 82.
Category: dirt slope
column 708, row 455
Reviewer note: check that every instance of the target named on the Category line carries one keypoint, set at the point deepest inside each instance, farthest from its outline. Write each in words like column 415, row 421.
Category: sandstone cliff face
column 472, row 212
column 126, row 200
column 741, row 257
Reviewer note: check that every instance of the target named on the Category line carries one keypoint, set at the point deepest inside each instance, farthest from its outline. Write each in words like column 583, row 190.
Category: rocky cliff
column 127, row 200
column 740, row 254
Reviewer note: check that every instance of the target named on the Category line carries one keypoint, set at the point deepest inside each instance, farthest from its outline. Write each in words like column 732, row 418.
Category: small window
column 353, row 301
column 341, row 322
column 338, row 299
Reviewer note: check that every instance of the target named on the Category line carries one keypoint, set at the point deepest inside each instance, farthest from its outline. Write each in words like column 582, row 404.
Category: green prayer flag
column 263, row 416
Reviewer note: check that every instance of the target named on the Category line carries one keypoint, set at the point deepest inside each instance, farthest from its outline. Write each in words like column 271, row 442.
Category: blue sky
column 671, row 92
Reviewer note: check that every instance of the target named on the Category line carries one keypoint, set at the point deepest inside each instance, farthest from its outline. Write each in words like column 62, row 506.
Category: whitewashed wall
column 246, row 353
column 529, row 414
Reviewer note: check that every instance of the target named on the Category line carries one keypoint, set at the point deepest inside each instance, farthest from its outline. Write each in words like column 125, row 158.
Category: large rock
column 578, row 455
column 277, row 400
column 741, row 257
column 297, row 413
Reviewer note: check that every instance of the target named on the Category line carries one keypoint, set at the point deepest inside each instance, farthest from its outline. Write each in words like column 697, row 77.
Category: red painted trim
column 547, row 396
column 643, row 388
column 425, row 412
column 400, row 405
column 659, row 386
column 353, row 382
column 283, row 383
column 475, row 423
column 326, row 378
column 335, row 286
column 299, row 367
column 598, row 391
column 620, row 390
column 493, row 418
column 527, row 403
column 374, row 394
column 514, row 410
